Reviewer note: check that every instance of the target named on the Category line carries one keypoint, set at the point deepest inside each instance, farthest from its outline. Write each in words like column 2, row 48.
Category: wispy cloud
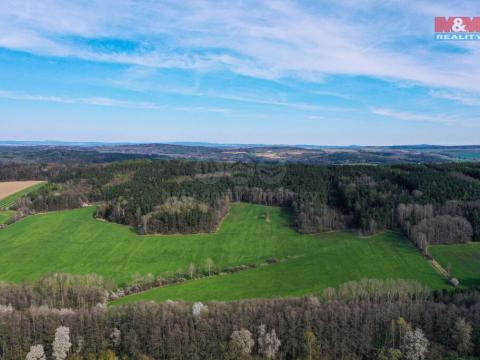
column 409, row 116
column 272, row 101
column 204, row 109
column 108, row 102
column 98, row 101
column 462, row 97
column 278, row 39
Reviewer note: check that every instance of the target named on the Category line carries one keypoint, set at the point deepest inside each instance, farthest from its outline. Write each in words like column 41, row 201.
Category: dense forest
column 432, row 204
column 364, row 320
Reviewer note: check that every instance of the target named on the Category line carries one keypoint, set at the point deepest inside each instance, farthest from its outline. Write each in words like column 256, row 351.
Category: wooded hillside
column 432, row 204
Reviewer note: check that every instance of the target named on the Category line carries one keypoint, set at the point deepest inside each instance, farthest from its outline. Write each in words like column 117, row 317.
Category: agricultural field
column 11, row 191
column 74, row 241
column 463, row 260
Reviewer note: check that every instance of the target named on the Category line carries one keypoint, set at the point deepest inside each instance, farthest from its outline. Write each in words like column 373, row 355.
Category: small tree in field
column 36, row 353
column 191, row 270
column 210, row 265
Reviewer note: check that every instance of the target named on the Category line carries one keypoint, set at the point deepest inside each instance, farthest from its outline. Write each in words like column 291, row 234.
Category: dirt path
column 436, row 265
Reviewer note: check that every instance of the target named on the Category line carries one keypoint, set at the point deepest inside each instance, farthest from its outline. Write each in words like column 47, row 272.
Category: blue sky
column 338, row 72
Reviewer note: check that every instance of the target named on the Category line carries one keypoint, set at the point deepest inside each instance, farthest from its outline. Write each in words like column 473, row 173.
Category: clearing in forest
column 75, row 242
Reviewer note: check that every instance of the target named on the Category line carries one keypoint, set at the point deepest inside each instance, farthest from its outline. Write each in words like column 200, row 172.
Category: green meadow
column 333, row 260
column 75, row 242
column 463, row 260
column 5, row 215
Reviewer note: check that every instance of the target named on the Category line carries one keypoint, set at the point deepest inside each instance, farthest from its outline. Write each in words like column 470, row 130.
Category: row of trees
column 365, row 320
column 57, row 291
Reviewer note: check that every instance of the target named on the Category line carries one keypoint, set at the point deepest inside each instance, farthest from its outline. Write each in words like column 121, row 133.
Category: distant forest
column 72, row 153
column 431, row 204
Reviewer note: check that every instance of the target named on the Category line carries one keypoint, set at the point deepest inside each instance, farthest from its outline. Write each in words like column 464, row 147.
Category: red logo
column 457, row 24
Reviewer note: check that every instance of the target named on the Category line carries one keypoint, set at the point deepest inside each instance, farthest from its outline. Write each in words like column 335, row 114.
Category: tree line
column 370, row 319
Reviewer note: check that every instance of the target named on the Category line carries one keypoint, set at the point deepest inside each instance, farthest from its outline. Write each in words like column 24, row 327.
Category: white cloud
column 269, row 39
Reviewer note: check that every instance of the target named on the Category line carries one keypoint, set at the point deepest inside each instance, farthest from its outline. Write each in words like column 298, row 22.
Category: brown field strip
column 11, row 187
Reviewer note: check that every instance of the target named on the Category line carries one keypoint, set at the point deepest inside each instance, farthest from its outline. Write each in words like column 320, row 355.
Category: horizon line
column 205, row 143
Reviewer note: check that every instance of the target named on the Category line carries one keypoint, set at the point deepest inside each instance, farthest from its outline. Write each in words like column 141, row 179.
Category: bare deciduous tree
column 462, row 337
column 210, row 265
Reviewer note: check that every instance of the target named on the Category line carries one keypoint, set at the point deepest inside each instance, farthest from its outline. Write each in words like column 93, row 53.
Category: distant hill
column 101, row 152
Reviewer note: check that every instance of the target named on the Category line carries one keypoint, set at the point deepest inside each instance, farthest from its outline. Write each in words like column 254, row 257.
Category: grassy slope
column 73, row 241
column 334, row 259
column 464, row 260
column 10, row 200
column 5, row 215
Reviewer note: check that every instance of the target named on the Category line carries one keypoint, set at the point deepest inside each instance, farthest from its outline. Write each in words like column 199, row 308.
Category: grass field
column 73, row 241
column 464, row 260
column 5, row 215
column 11, row 191
column 333, row 259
